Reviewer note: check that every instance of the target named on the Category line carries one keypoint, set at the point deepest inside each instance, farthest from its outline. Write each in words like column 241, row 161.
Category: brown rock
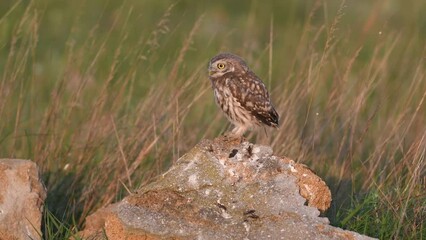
column 21, row 200
column 223, row 190
column 311, row 187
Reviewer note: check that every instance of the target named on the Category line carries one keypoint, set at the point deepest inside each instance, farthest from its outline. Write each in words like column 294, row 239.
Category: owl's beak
column 211, row 71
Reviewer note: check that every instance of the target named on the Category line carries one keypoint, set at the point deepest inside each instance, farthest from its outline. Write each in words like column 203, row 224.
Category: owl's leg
column 236, row 134
column 238, row 131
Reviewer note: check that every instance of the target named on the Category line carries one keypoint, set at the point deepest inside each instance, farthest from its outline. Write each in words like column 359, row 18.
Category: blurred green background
column 238, row 26
column 107, row 94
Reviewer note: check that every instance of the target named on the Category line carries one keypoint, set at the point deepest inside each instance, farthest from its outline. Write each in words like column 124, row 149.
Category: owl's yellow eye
column 220, row 66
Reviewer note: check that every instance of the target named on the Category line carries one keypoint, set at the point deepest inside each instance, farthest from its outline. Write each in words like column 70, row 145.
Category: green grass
column 54, row 228
column 105, row 95
column 371, row 214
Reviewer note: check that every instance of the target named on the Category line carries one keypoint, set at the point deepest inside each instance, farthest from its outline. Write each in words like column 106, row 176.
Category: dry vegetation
column 105, row 96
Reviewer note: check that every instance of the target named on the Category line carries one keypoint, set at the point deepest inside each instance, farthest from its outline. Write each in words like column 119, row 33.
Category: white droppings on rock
column 246, row 226
column 256, row 150
column 226, row 215
column 254, row 158
column 292, row 169
column 193, row 180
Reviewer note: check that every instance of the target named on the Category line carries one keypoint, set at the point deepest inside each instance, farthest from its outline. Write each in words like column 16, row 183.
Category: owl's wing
column 253, row 96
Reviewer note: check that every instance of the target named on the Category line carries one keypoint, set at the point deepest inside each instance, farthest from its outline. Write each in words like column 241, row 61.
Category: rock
column 21, row 200
column 223, row 190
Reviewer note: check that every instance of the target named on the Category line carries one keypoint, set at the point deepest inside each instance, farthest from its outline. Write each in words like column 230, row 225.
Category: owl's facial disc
column 219, row 68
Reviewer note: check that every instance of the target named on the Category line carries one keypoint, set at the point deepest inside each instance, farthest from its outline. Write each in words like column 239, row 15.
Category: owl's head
column 224, row 63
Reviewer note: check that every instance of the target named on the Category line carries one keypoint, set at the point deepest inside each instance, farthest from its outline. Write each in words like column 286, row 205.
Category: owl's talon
column 232, row 137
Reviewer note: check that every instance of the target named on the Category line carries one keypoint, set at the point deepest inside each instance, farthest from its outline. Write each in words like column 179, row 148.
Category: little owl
column 241, row 95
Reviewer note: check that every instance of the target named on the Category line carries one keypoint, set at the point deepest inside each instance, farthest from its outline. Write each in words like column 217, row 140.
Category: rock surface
column 21, row 200
column 223, row 190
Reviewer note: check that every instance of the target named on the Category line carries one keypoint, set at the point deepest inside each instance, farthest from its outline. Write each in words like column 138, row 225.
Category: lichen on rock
column 224, row 189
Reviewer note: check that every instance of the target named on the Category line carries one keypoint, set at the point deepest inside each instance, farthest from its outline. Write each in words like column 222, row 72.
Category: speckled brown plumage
column 240, row 94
